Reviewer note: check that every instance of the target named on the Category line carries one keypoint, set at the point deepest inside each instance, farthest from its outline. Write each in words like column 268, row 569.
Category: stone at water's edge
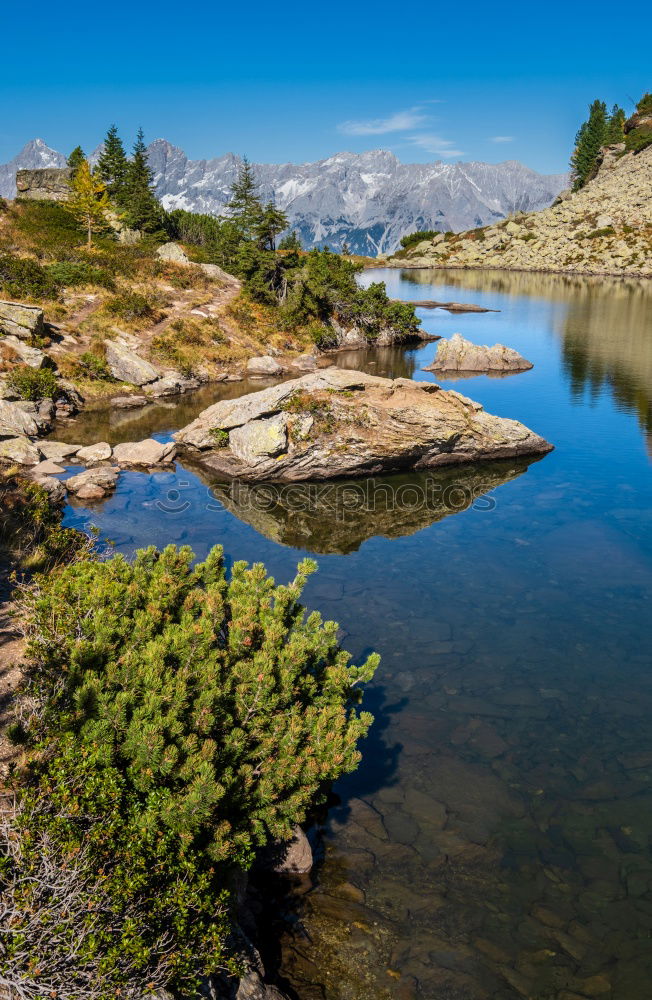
column 99, row 452
column 146, row 453
column 362, row 425
column 20, row 450
column 127, row 366
column 460, row 355
column 265, row 365
column 16, row 421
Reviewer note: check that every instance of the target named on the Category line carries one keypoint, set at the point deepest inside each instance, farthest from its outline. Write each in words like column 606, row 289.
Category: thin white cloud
column 501, row 138
column 436, row 144
column 400, row 121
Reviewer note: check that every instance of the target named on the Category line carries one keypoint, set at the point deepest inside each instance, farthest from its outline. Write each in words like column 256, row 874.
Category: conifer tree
column 290, row 242
column 590, row 137
column 88, row 202
column 272, row 221
column 112, row 165
column 76, row 158
column 138, row 199
column 615, row 131
column 245, row 206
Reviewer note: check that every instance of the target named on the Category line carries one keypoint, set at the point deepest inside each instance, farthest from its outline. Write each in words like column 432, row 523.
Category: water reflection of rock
column 338, row 517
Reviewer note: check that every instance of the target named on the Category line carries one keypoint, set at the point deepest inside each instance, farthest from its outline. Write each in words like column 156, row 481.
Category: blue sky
column 299, row 81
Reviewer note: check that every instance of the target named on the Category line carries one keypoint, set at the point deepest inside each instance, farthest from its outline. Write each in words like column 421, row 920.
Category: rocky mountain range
column 368, row 200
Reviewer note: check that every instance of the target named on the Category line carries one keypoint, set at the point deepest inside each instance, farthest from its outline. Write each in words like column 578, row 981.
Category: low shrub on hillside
column 185, row 720
column 30, row 526
column 638, row 139
column 33, row 384
column 70, row 273
column 93, row 366
column 21, row 278
column 133, row 307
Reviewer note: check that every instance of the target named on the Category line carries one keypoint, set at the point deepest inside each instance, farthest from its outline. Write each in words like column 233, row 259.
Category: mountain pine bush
column 184, row 720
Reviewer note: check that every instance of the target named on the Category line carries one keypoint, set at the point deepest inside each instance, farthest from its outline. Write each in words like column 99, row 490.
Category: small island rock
column 460, row 355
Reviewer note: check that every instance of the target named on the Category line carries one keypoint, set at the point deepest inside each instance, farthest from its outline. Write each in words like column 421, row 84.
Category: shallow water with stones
column 496, row 840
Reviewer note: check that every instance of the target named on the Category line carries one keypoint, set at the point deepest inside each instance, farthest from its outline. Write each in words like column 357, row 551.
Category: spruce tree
column 142, row 210
column 290, row 242
column 76, row 158
column 615, row 132
column 88, row 201
column 271, row 222
column 245, row 206
column 112, row 165
column 590, row 137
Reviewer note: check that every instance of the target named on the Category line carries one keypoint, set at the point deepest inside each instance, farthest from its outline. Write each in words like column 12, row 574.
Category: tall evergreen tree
column 76, row 158
column 272, row 222
column 142, row 210
column 112, row 166
column 290, row 242
column 615, row 131
column 245, row 205
column 590, row 137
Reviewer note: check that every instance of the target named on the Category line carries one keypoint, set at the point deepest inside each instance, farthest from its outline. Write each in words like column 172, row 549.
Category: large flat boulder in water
column 460, row 355
column 339, row 423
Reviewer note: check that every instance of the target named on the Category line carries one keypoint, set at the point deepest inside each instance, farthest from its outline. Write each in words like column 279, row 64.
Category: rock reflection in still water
column 338, row 517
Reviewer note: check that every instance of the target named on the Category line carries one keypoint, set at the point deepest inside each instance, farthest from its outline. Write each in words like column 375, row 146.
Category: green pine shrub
column 185, row 720
column 132, row 307
column 413, row 238
column 93, row 366
column 32, row 383
column 22, row 278
column 31, row 535
column 70, row 273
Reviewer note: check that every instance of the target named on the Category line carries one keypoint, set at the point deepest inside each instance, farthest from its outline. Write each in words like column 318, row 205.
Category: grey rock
column 127, row 366
column 146, row 453
column 174, row 253
column 55, row 489
column 172, row 384
column 305, row 363
column 295, row 856
column 19, row 320
column 47, row 468
column 93, row 483
column 31, row 356
column 58, row 451
column 44, row 184
column 265, row 365
column 217, row 274
column 20, row 450
column 368, row 425
column 603, row 221
column 460, row 355
column 15, row 421
column 99, row 452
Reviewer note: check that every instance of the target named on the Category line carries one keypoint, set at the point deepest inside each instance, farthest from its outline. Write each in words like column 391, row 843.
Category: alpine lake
column 496, row 840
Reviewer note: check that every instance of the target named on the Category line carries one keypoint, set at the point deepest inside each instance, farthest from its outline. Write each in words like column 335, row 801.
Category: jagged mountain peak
column 368, row 200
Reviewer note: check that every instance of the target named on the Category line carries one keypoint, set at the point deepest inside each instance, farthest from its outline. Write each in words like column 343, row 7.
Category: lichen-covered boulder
column 20, row 450
column 362, row 425
column 23, row 353
column 19, row 320
column 16, row 421
column 127, row 366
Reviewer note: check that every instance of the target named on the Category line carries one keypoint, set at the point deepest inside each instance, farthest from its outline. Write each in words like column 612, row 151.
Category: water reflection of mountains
column 605, row 327
column 337, row 517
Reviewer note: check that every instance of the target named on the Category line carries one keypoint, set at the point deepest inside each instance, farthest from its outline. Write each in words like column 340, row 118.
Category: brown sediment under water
column 496, row 839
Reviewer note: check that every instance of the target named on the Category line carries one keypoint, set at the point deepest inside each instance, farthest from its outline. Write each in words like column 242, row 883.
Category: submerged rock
column 362, row 425
column 460, row 355
column 93, row 484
